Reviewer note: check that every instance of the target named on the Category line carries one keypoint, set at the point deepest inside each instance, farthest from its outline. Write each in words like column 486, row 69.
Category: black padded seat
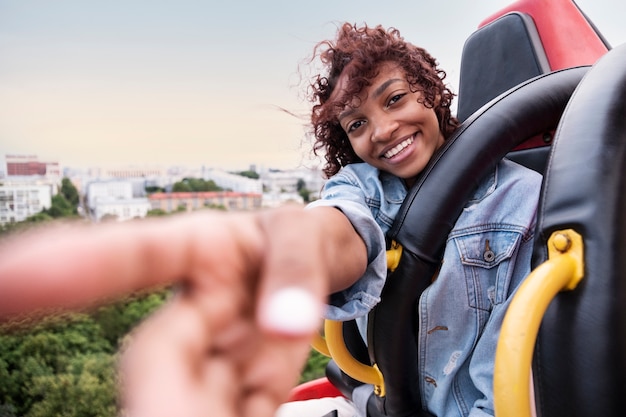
column 580, row 362
column 497, row 57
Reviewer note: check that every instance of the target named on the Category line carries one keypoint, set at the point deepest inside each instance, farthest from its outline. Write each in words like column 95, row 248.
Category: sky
column 189, row 82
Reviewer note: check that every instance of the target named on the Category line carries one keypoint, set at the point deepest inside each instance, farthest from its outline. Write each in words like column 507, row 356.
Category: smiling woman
column 375, row 99
column 391, row 128
column 381, row 113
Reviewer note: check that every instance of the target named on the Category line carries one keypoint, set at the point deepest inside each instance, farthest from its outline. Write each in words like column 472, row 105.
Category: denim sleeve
column 344, row 192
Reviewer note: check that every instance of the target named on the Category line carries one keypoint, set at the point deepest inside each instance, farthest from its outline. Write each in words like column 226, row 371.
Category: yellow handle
column 335, row 347
column 346, row 362
column 393, row 256
column 563, row 270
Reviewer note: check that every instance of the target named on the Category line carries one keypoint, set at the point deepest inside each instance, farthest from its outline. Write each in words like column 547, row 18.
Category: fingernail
column 291, row 311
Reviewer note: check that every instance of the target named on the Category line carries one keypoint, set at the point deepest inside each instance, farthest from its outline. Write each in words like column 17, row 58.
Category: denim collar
column 485, row 188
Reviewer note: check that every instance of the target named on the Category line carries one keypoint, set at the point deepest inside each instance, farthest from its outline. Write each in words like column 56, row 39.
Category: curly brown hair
column 360, row 51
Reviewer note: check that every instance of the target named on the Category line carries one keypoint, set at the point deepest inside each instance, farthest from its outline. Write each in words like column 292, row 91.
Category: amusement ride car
column 541, row 86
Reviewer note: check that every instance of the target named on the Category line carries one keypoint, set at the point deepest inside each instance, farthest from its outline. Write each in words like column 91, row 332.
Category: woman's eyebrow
column 345, row 113
column 381, row 88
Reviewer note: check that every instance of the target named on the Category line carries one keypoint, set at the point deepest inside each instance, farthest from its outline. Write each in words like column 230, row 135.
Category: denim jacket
column 487, row 255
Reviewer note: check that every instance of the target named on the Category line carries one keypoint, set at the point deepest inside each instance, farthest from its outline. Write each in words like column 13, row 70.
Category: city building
column 121, row 192
column 290, row 181
column 20, row 201
column 134, row 172
column 233, row 182
column 98, row 191
column 120, row 210
column 118, row 199
column 29, row 165
column 228, row 200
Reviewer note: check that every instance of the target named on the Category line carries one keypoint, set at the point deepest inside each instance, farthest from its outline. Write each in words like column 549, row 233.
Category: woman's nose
column 384, row 126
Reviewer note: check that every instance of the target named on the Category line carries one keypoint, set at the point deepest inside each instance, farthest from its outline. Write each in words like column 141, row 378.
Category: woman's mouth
column 398, row 148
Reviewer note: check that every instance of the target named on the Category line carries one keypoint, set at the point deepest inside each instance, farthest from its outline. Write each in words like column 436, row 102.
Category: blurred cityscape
column 28, row 186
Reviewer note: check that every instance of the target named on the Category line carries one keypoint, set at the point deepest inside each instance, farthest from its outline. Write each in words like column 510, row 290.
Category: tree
column 30, row 354
column 86, row 387
column 181, row 187
column 60, row 207
column 38, row 218
column 117, row 319
column 303, row 191
column 64, row 365
column 70, row 193
column 154, row 189
column 195, row 185
column 65, row 203
column 249, row 174
column 7, row 410
column 156, row 212
column 315, row 366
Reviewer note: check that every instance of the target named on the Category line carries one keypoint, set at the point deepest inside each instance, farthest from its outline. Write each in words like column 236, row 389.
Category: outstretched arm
column 233, row 340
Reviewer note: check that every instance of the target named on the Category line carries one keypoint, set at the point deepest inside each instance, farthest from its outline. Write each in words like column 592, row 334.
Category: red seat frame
column 568, row 37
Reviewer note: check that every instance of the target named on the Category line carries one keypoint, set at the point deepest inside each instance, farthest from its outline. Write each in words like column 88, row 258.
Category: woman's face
column 389, row 128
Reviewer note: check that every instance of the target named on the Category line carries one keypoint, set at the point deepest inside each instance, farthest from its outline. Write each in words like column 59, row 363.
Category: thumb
column 293, row 282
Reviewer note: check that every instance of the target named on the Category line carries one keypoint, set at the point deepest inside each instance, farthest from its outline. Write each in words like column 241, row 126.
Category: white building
column 115, row 199
column 289, row 181
column 107, row 191
column 233, row 182
column 121, row 210
column 20, row 201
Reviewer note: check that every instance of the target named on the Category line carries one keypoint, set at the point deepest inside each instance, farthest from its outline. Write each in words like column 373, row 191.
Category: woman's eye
column 353, row 126
column 395, row 99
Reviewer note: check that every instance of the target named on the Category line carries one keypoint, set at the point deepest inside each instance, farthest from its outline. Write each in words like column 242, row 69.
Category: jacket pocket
column 486, row 260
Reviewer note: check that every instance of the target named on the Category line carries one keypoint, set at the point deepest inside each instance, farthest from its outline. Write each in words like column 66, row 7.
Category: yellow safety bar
column 347, row 363
column 335, row 347
column 393, row 256
column 562, row 271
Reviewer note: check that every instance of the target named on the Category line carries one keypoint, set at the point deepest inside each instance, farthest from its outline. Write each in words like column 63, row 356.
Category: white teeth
column 397, row 149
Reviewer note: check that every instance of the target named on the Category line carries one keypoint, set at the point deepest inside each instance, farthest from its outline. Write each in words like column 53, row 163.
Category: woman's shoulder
column 366, row 184
column 512, row 170
column 508, row 195
column 358, row 175
column 371, row 180
column 517, row 179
